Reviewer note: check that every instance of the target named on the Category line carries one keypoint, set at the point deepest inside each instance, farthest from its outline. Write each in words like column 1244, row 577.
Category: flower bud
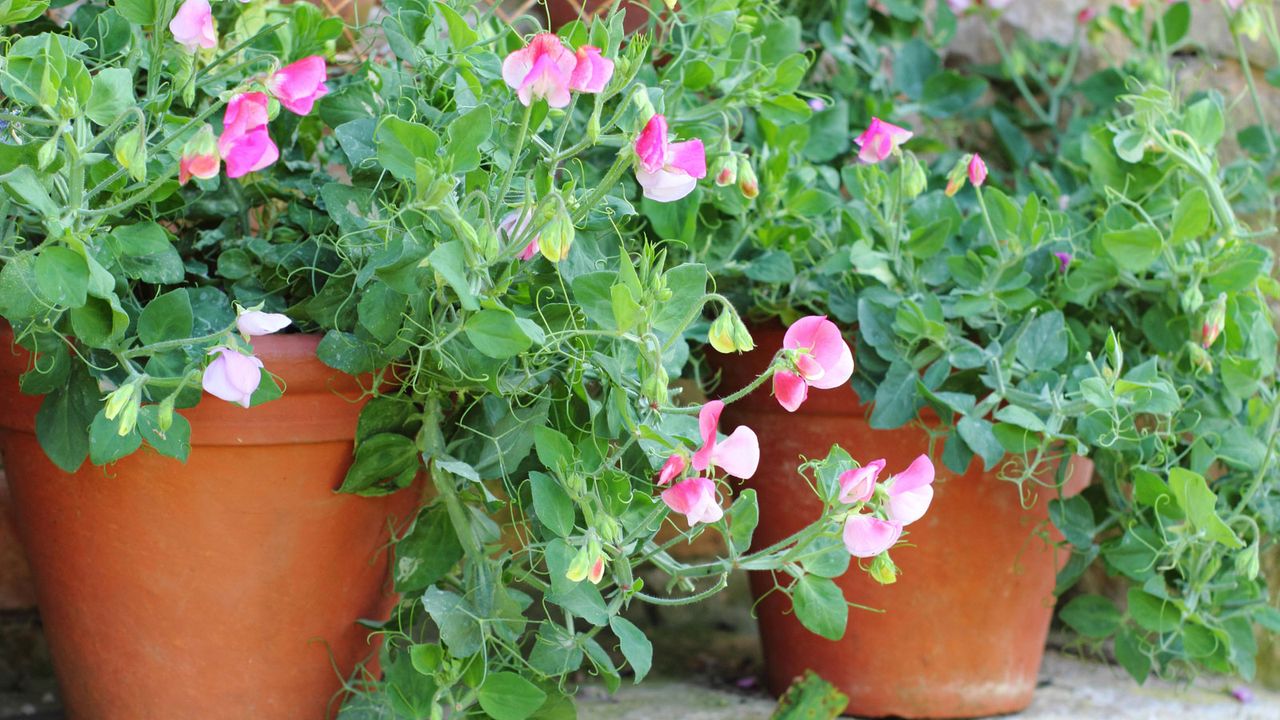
column 742, row 340
column 557, row 236
column 117, row 400
column 1215, row 319
column 747, row 181
column 48, row 151
column 977, row 170
column 956, row 178
column 595, row 573
column 654, row 387
column 914, row 180
column 721, row 333
column 608, row 529
column 1191, row 299
column 883, row 570
column 1247, row 562
column 725, row 170
column 164, row 415
column 580, row 566
column 1199, row 357
column 131, row 153
column 1247, row 22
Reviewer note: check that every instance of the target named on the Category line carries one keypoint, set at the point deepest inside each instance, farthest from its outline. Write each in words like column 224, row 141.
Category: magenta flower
column 738, row 454
column 859, row 484
column 254, row 323
column 818, row 356
column 516, row 225
column 1086, row 15
column 911, row 491
column 232, row 376
column 299, row 84
column 667, row 171
column 592, row 71
column 694, row 498
column 541, row 70
column 879, row 140
column 193, row 26
column 1064, row 259
column 245, row 144
column 671, row 469
column 867, row 536
column 977, row 170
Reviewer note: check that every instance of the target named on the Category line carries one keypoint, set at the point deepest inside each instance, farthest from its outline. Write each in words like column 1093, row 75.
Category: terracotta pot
column 17, row 590
column 225, row 587
column 964, row 627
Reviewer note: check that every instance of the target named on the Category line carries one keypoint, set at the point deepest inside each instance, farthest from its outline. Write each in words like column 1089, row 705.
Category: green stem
column 728, row 400
column 160, row 347
column 515, row 154
column 615, row 174
column 1247, row 68
column 1019, row 83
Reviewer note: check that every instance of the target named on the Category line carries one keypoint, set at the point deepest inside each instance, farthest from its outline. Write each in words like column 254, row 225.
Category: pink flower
column 667, row 171
column 671, row 469
column 299, row 84
column 819, row 358
column 911, row 491
column 1086, row 15
column 879, row 140
column 245, row 144
column 516, row 225
column 977, row 170
column 253, row 323
column 859, row 484
column 199, row 157
column 738, row 455
column 817, row 104
column 867, row 536
column 694, row 498
column 193, row 26
column 232, row 376
column 592, row 72
column 541, row 70
column 1064, row 259
column 959, row 6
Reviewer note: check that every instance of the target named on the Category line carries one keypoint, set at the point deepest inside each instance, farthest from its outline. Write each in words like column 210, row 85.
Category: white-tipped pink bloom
column 667, row 171
column 299, row 84
column 859, row 484
column 738, row 454
column 694, row 498
column 977, row 170
column 254, row 323
column 245, row 144
column 515, row 225
column 911, row 491
column 879, row 140
column 541, row 70
column 819, row 356
column 592, row 72
column 867, row 536
column 671, row 469
column 193, row 26
column 232, row 376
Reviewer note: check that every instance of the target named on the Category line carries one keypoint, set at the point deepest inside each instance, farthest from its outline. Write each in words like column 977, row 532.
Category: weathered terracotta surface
column 226, row 587
column 17, row 591
column 964, row 627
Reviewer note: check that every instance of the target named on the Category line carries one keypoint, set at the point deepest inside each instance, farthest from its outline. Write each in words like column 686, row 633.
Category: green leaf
column 174, row 442
column 99, row 323
column 627, row 313
column 687, row 283
column 1175, row 24
column 1191, row 217
column 348, row 353
column 929, row 240
column 1131, row 657
column 1204, row 121
column 1153, row 613
column 1200, row 503
column 1092, row 616
column 146, row 254
column 111, row 95
column 381, row 311
column 168, row 317
column 896, row 398
column 466, row 134
column 459, row 628
column 1044, row 344
column 1134, row 249
column 635, row 646
column 507, row 696
column 142, row 12
column 427, row 553
column 772, row 267
column 949, row 92
column 496, row 334
column 820, row 606
column 1074, row 517
column 980, row 437
column 383, row 458
column 13, row 12
column 106, row 444
column 62, row 423
column 449, row 260
column 551, row 504
column 62, row 275
column 461, row 34
column 401, row 143
column 742, row 517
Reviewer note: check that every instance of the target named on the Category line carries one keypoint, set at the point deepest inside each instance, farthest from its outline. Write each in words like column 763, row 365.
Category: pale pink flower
column 299, row 84
column 911, row 491
column 232, row 376
column 977, row 170
column 879, row 140
column 671, row 469
column 667, row 171
column 193, row 26
column 817, row 104
column 1086, row 15
column 592, row 72
column 867, row 536
column 515, row 225
column 245, row 144
column 738, row 454
column 541, row 70
column 253, row 323
column 694, row 498
column 859, row 484
column 819, row 358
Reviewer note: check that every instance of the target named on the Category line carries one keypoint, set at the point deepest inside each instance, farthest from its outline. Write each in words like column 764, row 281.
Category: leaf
column 174, row 442
column 1131, row 657
column 106, row 444
column 348, row 353
column 507, row 696
column 449, row 260
column 978, row 435
column 772, row 267
column 948, row 92
column 635, row 646
column 168, row 317
column 111, row 95
column 1093, row 616
column 466, row 134
column 62, row 423
column 1044, row 344
column 820, row 606
column 810, row 698
column 896, row 397
column 427, row 553
column 687, row 283
column 456, row 620
column 743, row 517
column 1134, row 249
column 13, row 12
column 551, row 504
column 1073, row 516
column 145, row 253
column 1153, row 613
column 1191, row 217
column 496, row 334
column 62, row 275
column 142, row 12
column 1200, row 503
column 1173, row 26
column 401, row 143
column 383, row 458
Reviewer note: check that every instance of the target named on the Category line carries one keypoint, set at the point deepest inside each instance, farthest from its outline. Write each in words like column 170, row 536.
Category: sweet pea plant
column 152, row 224
column 522, row 337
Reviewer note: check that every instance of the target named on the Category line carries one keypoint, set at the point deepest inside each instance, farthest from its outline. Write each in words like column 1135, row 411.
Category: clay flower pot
column 964, row 627
column 225, row 587
column 17, row 591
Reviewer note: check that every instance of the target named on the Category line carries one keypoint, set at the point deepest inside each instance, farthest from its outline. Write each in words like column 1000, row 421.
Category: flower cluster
column 667, row 171
column 232, row 375
column 547, row 70
column 737, row 455
column 907, row 496
column 814, row 354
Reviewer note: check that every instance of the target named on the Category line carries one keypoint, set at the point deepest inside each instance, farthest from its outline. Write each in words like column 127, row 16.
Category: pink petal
column 231, row 376
column 530, row 251
column 866, row 536
column 738, row 454
column 911, row 492
column 977, row 170
column 838, row 373
column 592, row 72
column 688, row 157
column 248, row 153
column 299, row 84
column 671, row 469
column 694, row 498
column 193, row 26
column 541, row 70
column 809, row 368
column 859, row 484
column 822, row 338
column 545, row 81
column 245, row 112
column 651, row 146
column 879, row 140
column 790, row 389
column 517, row 65
column 254, row 323
column 708, row 420
column 664, row 185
